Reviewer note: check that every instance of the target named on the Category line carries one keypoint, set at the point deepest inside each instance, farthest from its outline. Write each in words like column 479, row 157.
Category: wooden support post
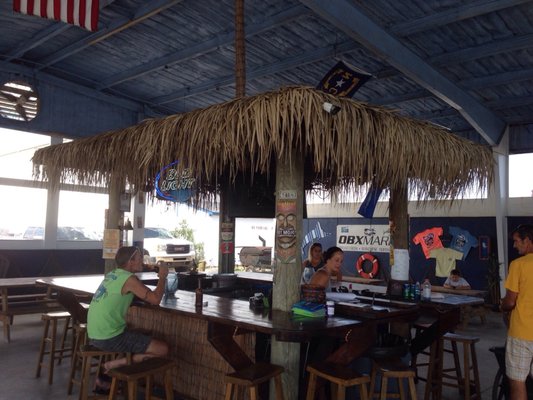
column 114, row 215
column 288, row 265
column 399, row 223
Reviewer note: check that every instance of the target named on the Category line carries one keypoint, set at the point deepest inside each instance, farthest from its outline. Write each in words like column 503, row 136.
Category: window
column 520, row 177
column 21, row 209
column 16, row 152
column 81, row 216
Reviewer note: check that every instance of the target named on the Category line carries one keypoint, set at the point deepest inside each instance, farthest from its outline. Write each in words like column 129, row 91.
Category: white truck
column 168, row 250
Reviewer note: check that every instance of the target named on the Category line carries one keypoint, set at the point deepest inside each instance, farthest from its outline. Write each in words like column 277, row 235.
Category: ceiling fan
column 19, row 97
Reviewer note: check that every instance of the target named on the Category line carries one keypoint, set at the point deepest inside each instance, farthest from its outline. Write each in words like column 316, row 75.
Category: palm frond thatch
column 360, row 144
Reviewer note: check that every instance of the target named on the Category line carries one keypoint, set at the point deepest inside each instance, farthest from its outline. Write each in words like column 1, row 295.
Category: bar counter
column 210, row 341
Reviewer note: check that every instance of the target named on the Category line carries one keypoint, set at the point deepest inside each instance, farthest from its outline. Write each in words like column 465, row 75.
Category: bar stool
column 48, row 342
column 339, row 375
column 392, row 369
column 466, row 381
column 92, row 359
column 252, row 376
column 146, row 369
column 80, row 339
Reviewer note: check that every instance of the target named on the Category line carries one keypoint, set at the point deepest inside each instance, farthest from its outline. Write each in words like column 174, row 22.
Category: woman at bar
column 106, row 319
column 333, row 258
column 313, row 262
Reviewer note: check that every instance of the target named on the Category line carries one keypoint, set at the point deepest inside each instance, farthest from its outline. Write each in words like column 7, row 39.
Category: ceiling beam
column 205, row 47
column 42, row 36
column 48, row 33
column 503, row 78
column 55, row 81
column 348, row 18
column 118, row 25
column 485, row 50
column 257, row 72
column 468, row 10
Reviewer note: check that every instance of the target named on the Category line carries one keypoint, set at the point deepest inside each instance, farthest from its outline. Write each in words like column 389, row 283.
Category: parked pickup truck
column 169, row 250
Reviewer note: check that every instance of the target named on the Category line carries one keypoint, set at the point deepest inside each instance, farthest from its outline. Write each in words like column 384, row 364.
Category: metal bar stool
column 339, row 375
column 49, row 342
column 252, row 376
column 146, row 369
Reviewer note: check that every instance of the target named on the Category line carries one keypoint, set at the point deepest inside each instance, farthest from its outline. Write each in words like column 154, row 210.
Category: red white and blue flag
column 83, row 13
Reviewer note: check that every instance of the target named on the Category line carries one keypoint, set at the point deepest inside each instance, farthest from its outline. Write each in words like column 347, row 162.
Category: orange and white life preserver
column 359, row 265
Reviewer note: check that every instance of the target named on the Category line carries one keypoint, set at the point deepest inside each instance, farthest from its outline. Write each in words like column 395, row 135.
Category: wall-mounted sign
column 111, row 243
column 175, row 186
column 364, row 238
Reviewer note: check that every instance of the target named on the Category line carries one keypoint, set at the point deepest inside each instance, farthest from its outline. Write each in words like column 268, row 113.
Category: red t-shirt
column 429, row 240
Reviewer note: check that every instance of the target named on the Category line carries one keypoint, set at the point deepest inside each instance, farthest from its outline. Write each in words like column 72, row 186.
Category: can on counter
column 412, row 290
column 406, row 291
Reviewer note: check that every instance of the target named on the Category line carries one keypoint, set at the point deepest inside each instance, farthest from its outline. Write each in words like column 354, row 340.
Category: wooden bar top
column 464, row 292
column 238, row 313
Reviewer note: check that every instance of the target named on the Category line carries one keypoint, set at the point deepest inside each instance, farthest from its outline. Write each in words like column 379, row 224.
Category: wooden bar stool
column 49, row 342
column 92, row 359
column 467, row 380
column 80, row 339
column 252, row 376
column 392, row 369
column 339, row 375
column 146, row 369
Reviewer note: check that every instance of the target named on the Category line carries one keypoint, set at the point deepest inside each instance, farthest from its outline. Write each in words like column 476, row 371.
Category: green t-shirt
column 107, row 311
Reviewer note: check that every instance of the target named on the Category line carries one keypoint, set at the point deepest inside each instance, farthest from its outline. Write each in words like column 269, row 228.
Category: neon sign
column 174, row 186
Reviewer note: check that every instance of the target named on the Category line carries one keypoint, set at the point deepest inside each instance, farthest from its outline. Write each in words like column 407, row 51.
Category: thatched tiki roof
column 361, row 143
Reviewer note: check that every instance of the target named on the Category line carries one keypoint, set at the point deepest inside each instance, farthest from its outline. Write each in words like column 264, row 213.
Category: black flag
column 343, row 80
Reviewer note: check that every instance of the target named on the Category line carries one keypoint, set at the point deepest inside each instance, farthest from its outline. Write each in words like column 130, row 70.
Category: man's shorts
column 518, row 358
column 126, row 342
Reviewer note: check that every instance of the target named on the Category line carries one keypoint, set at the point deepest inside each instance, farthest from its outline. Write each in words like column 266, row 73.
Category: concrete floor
column 18, row 361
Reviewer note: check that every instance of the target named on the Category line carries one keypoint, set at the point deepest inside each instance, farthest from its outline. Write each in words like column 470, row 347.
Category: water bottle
column 426, row 291
column 172, row 283
column 308, row 274
column 417, row 291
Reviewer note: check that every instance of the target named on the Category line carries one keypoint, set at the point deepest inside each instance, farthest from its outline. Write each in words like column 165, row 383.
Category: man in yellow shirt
column 519, row 302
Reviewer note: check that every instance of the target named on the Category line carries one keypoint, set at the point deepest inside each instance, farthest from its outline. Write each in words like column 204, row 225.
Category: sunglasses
column 137, row 250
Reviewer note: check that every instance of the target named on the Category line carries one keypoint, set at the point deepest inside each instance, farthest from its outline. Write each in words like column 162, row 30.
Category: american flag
column 83, row 13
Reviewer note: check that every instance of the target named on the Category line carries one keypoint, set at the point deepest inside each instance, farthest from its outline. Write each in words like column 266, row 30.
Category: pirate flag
column 343, row 80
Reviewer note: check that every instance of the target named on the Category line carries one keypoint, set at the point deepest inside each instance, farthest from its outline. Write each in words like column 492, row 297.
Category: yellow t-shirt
column 520, row 280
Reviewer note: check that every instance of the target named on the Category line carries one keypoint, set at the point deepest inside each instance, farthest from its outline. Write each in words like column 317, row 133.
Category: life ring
column 360, row 262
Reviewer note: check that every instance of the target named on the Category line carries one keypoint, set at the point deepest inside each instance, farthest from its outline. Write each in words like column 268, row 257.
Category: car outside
column 169, row 250
column 63, row 233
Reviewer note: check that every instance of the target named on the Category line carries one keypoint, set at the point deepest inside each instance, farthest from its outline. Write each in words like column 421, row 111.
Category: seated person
column 455, row 281
column 106, row 319
column 313, row 262
column 333, row 258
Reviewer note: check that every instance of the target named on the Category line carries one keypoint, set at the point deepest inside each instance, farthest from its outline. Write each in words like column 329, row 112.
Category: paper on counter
column 335, row 296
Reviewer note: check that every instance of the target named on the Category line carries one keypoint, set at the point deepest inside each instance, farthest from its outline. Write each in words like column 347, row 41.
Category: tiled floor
column 18, row 361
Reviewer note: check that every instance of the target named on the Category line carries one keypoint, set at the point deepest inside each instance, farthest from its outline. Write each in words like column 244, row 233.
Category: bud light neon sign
column 173, row 185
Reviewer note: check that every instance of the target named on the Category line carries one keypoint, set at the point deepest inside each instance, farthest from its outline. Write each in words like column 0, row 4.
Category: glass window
column 520, row 177
column 22, row 212
column 81, row 216
column 16, row 152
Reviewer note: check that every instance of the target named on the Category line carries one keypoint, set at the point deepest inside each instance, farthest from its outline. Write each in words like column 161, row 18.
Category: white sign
column 400, row 270
column 364, row 238
column 288, row 195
